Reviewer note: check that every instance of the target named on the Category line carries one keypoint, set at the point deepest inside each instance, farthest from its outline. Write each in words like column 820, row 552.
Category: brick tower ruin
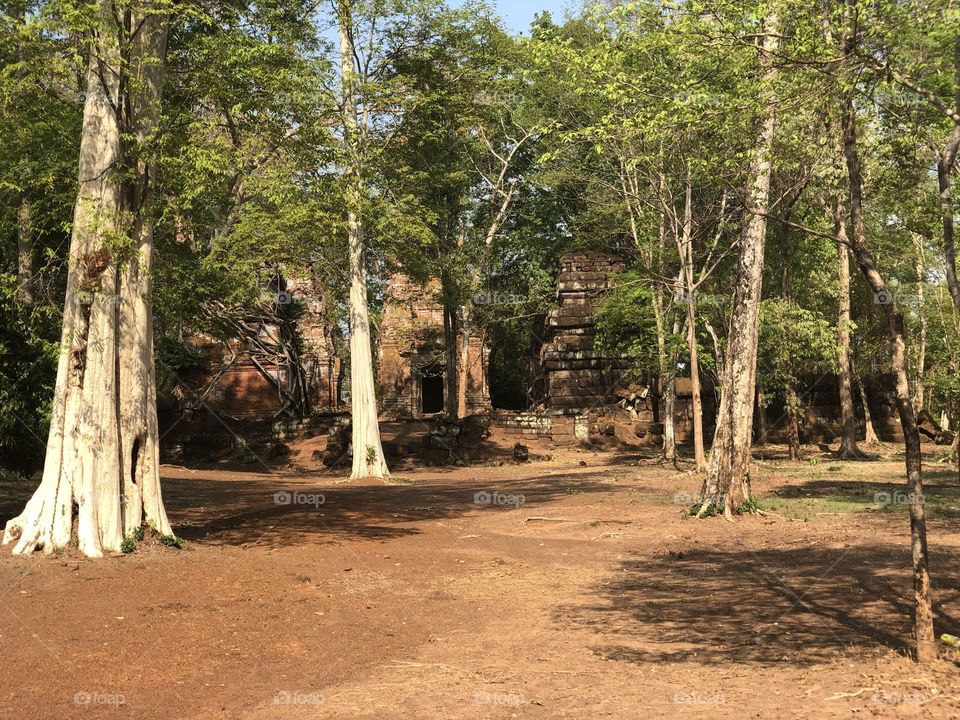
column 579, row 377
column 411, row 367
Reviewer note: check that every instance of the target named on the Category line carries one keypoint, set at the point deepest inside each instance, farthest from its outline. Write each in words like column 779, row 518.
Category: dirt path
column 578, row 592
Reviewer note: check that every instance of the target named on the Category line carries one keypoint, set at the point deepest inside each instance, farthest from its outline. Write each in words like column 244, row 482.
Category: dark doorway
column 431, row 393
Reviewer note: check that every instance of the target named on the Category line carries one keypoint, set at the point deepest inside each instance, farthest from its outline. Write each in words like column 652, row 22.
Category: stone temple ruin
column 411, row 359
column 589, row 394
column 270, row 368
column 579, row 377
column 587, row 397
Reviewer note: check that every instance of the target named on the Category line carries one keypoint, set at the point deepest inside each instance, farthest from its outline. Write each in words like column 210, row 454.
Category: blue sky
column 518, row 14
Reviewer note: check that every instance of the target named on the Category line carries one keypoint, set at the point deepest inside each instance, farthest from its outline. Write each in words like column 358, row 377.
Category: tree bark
column 670, row 399
column 793, row 426
column 848, row 418
column 669, row 415
column 923, row 611
column 463, row 368
column 763, row 430
column 101, row 449
column 727, row 483
column 451, row 342
column 945, row 164
column 368, row 459
column 870, row 434
column 918, row 371
column 686, row 256
column 139, row 427
column 665, row 380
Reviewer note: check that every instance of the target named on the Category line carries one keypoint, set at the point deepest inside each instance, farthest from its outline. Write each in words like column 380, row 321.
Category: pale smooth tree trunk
column 848, row 418
column 669, row 415
column 727, row 482
column 670, row 399
column 104, row 398
column 139, row 427
column 686, row 255
column 463, row 369
column 921, row 305
column 923, row 610
column 368, row 459
column 666, row 380
column 793, row 425
column 870, row 436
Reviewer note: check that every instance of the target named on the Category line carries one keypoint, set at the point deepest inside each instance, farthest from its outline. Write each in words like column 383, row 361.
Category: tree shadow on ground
column 864, row 491
column 800, row 605
column 15, row 490
column 276, row 510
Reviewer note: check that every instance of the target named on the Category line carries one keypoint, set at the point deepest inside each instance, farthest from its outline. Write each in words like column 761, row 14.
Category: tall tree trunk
column 763, row 430
column 669, row 415
column 848, row 417
column 25, row 252
column 665, row 380
column 944, row 167
column 793, row 425
column 686, row 255
column 670, row 400
column 368, row 459
column 920, row 269
column 727, row 483
column 101, row 450
column 463, row 368
column 945, row 164
column 451, row 342
column 923, row 611
column 139, row 427
column 870, row 433
column 955, row 445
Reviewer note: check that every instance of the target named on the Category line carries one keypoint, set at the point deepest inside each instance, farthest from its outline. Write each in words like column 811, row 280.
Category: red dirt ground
column 594, row 598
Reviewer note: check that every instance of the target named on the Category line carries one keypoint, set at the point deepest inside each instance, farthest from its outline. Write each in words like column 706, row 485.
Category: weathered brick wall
column 820, row 420
column 411, row 345
column 321, row 362
column 579, row 377
column 241, row 391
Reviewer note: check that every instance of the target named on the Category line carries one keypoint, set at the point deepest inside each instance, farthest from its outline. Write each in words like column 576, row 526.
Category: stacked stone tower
column 578, row 377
